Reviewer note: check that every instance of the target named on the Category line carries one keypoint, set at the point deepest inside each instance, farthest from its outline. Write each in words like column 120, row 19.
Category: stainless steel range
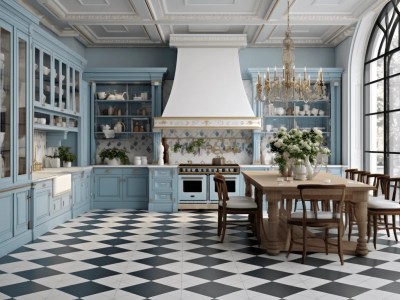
column 196, row 189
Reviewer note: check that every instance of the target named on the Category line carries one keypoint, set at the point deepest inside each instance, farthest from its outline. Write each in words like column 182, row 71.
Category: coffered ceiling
column 144, row 23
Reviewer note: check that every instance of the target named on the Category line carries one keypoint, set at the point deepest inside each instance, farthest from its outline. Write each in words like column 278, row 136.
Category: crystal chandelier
column 289, row 87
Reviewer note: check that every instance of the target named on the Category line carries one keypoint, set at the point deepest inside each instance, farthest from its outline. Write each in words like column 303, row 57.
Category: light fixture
column 288, row 87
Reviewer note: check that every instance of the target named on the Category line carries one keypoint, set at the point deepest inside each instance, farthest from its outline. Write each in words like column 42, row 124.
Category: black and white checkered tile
column 125, row 254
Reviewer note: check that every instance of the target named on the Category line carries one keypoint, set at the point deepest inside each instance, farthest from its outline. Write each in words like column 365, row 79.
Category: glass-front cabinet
column 322, row 114
column 56, row 90
column 14, row 128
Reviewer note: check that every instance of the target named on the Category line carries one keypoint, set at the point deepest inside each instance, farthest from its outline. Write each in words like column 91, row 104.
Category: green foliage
column 177, row 147
column 114, row 152
column 195, row 145
column 65, row 154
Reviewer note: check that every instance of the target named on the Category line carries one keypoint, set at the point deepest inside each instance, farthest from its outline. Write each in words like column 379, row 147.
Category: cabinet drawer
column 135, row 171
column 160, row 173
column 107, row 171
column 163, row 185
column 47, row 184
column 163, row 197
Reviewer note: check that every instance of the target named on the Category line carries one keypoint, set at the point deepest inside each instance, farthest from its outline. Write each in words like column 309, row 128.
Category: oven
column 232, row 182
column 193, row 188
column 196, row 188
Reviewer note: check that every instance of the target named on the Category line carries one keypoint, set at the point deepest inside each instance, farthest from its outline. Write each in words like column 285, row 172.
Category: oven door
column 192, row 188
column 232, row 182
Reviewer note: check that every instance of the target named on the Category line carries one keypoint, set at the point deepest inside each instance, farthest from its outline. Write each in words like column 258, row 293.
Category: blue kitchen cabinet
column 15, row 218
column 81, row 190
column 49, row 210
column 42, row 197
column 163, row 182
column 120, row 187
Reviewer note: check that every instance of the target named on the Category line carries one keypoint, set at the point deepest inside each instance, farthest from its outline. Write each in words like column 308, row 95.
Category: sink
column 61, row 184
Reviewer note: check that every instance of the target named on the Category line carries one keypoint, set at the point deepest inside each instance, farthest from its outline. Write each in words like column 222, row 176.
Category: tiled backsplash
column 140, row 145
column 234, row 145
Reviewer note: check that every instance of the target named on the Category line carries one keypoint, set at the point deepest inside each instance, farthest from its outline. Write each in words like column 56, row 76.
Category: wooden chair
column 310, row 217
column 235, row 205
column 384, row 208
column 350, row 173
column 360, row 176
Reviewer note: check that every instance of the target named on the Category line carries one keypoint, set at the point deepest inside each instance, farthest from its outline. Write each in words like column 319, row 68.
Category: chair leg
column 369, row 228
column 291, row 240
column 219, row 222
column 223, row 227
column 375, row 229
column 340, row 250
column 351, row 219
column 303, row 258
column 385, row 218
column 326, row 240
column 394, row 227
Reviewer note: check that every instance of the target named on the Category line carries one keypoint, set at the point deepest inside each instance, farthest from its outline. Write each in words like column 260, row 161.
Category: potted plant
column 66, row 156
column 114, row 156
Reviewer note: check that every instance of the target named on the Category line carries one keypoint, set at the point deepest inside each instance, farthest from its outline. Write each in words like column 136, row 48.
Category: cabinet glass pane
column 5, row 103
column 71, row 88
column 77, row 102
column 22, row 130
column 59, row 98
column 47, row 82
column 36, row 76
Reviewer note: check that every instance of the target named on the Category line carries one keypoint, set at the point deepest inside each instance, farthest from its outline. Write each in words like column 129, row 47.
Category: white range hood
column 208, row 90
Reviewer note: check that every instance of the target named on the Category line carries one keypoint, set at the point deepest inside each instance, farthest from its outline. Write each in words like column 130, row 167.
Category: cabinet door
column 22, row 106
column 21, row 212
column 108, row 188
column 6, row 84
column 42, row 201
column 136, row 191
column 6, row 217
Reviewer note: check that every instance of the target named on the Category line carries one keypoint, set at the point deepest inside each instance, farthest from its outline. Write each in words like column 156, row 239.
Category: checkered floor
column 125, row 254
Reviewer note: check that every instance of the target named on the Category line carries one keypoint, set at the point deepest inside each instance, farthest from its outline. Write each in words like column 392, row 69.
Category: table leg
column 272, row 244
column 361, row 212
column 248, row 191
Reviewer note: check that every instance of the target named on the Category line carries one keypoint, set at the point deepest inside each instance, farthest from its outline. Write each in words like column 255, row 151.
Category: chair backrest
column 222, row 189
column 350, row 173
column 379, row 181
column 360, row 176
column 396, row 181
column 335, row 193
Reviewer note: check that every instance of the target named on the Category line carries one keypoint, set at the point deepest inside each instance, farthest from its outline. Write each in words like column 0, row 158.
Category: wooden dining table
column 280, row 193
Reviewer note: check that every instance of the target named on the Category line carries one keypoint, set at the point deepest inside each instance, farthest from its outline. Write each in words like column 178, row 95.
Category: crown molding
column 208, row 40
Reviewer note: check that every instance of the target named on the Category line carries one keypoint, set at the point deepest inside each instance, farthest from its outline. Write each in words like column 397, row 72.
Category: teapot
column 111, row 97
column 120, row 96
column 119, row 127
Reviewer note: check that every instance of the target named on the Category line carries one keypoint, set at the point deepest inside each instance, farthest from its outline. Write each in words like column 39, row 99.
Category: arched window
column 382, row 93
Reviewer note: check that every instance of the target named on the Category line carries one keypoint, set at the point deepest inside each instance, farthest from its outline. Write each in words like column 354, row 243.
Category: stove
column 196, row 188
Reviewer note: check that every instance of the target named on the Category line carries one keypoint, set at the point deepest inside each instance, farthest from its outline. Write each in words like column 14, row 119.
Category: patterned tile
column 133, row 254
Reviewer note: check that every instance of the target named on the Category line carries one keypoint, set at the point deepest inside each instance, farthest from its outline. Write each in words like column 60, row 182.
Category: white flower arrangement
column 297, row 144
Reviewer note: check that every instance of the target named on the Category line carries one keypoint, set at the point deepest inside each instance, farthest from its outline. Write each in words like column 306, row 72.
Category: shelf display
column 322, row 114
column 124, row 103
column 127, row 109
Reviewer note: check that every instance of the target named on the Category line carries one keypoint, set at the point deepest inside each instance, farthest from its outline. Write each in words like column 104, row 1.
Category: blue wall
column 166, row 57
